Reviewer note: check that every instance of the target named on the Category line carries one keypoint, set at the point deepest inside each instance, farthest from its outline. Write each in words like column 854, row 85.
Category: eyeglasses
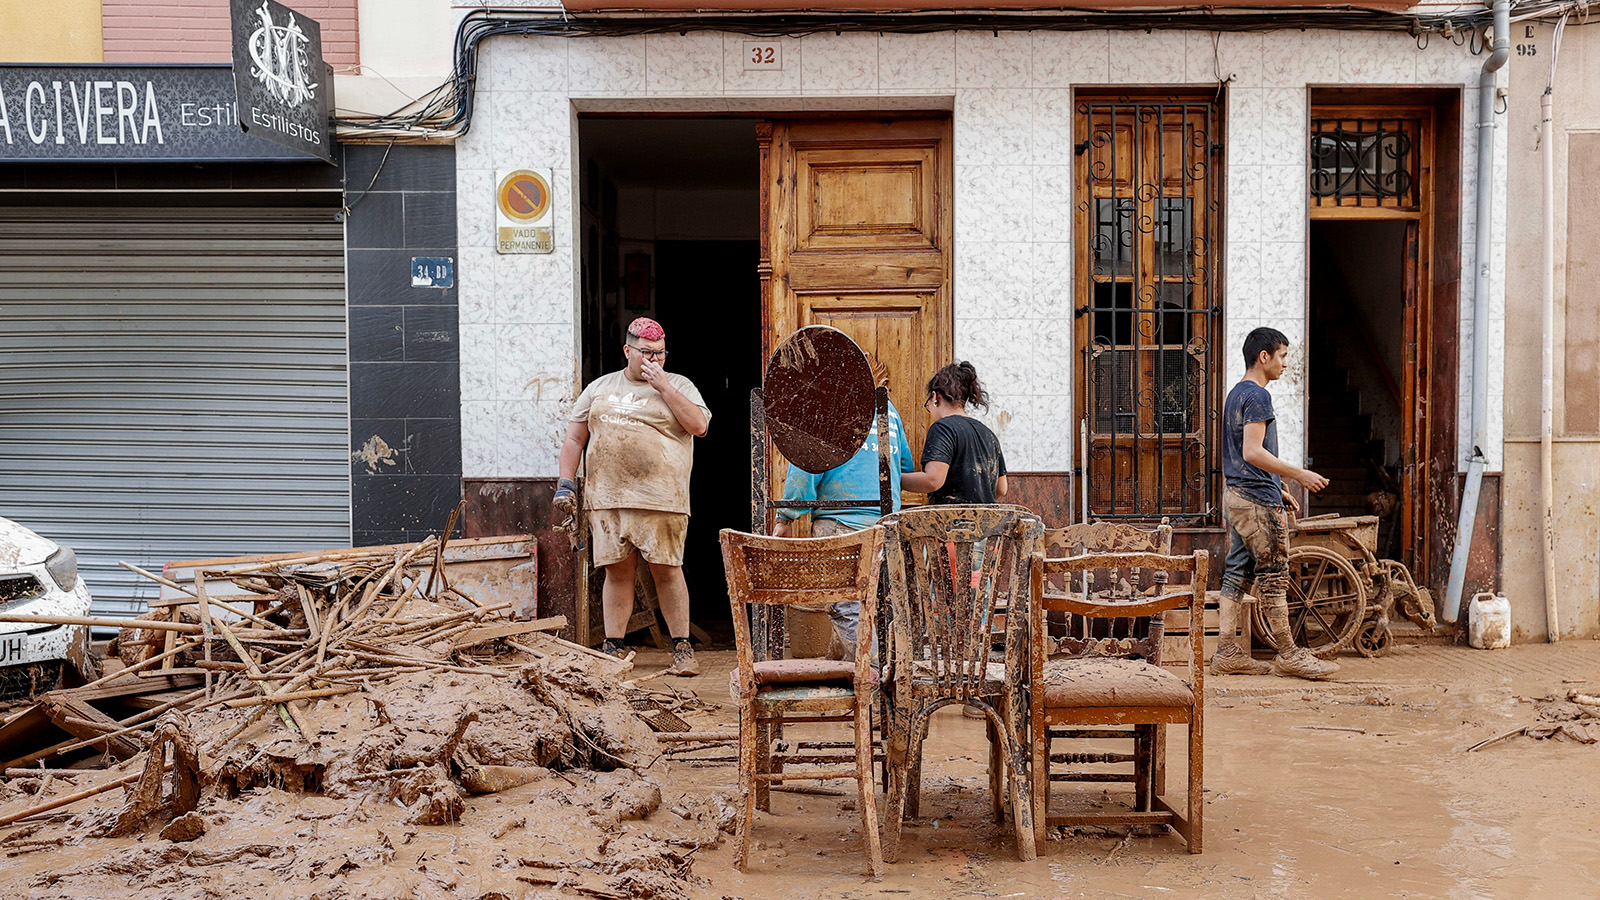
column 648, row 354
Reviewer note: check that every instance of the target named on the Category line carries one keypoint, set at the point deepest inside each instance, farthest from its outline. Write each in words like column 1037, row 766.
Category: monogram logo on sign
column 278, row 59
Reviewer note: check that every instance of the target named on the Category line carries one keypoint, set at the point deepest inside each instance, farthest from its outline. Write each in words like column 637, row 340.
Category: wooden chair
column 1112, row 537
column 950, row 569
column 806, row 572
column 1094, row 683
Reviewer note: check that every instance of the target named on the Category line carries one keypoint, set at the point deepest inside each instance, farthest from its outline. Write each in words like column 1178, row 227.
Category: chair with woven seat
column 1096, row 683
column 951, row 568
column 814, row 573
column 1112, row 537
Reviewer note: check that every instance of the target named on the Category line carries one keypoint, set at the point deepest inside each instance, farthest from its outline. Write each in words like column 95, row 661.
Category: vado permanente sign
column 74, row 113
column 284, row 88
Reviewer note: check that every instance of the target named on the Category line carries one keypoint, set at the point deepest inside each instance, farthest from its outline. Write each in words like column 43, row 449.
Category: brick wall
column 193, row 31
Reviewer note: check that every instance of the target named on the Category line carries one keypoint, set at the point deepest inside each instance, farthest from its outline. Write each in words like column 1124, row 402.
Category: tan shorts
column 658, row 536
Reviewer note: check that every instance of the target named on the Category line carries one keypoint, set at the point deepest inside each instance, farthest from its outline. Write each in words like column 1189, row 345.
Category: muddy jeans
column 1258, row 564
column 846, row 616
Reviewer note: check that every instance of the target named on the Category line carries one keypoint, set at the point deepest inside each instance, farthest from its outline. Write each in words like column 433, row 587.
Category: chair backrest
column 949, row 568
column 1108, row 537
column 1083, row 599
column 813, row 572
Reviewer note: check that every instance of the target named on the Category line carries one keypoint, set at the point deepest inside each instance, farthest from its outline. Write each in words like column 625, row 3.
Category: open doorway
column 1361, row 297
column 670, row 213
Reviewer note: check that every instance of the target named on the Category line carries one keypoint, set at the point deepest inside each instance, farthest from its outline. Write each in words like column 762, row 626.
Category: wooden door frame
column 1427, row 401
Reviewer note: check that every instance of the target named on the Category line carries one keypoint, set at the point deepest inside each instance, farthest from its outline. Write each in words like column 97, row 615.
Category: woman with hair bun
column 961, row 458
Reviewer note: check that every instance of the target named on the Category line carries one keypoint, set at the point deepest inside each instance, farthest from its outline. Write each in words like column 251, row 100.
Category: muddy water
column 1294, row 812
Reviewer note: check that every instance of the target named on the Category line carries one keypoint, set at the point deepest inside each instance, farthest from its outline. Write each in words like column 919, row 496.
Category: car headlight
column 63, row 568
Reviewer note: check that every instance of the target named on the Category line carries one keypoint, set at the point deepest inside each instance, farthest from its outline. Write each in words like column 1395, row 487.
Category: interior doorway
column 670, row 213
column 1361, row 291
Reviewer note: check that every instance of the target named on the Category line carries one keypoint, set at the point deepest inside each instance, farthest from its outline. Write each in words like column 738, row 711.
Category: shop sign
column 523, row 210
column 284, row 88
column 75, row 113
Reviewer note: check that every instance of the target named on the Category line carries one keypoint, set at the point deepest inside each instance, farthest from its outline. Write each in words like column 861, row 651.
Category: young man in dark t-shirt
column 1253, row 506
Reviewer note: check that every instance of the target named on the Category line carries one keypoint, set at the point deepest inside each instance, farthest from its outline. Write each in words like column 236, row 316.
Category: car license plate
column 11, row 649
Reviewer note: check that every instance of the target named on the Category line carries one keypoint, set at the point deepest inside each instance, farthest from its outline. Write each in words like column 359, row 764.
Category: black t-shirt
column 973, row 454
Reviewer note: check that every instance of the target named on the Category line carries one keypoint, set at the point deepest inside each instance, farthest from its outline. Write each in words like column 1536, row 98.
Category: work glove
column 565, row 503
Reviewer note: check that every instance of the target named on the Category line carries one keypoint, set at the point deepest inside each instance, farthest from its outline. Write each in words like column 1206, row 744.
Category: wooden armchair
column 950, row 569
column 806, row 572
column 1095, row 684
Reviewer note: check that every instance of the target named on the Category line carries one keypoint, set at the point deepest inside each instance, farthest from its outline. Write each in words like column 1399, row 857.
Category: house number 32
column 763, row 55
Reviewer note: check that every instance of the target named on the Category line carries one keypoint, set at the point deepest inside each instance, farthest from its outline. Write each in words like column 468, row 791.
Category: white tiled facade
column 1011, row 101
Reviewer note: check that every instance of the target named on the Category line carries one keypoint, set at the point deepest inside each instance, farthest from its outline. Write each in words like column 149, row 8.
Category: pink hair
column 647, row 329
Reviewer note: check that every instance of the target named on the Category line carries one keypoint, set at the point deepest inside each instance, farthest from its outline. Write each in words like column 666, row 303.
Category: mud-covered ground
column 1394, row 808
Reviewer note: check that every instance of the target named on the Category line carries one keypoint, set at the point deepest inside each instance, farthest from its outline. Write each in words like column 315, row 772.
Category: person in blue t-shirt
column 1253, row 506
column 857, row 479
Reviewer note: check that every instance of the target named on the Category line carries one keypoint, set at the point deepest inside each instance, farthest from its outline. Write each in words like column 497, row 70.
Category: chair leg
column 747, row 786
column 919, row 733
column 997, row 766
column 1019, row 759
column 1142, row 746
column 774, row 764
column 1039, row 783
column 1158, row 778
column 868, row 792
column 763, row 760
column 895, row 797
column 1197, row 804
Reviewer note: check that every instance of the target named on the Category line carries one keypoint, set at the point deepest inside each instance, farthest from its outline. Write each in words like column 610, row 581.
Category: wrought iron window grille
column 1364, row 162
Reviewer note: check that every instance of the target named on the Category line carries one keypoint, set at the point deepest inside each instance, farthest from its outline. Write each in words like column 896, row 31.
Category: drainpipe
column 1547, row 351
column 1480, row 308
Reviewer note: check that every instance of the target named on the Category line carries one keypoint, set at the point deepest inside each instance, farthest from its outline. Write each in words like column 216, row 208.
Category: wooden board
column 486, row 633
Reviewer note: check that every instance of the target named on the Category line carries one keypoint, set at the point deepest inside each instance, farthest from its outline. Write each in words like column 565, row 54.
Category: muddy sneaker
column 1299, row 663
column 683, row 661
column 1231, row 660
column 615, row 648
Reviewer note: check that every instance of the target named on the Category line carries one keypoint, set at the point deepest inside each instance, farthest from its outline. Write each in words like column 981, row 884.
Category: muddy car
column 40, row 577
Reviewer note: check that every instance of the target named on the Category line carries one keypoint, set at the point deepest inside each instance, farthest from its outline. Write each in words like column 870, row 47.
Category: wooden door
column 1147, row 255
column 856, row 234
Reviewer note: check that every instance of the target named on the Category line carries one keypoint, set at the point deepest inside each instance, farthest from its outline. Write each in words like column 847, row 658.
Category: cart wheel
column 1327, row 601
column 1374, row 640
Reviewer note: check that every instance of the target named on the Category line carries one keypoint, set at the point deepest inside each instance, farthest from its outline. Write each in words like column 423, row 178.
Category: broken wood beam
column 287, row 697
column 72, row 798
column 482, row 634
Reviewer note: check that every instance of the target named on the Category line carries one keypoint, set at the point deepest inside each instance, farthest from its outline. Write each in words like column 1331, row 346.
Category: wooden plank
column 77, row 718
column 132, row 687
column 485, row 633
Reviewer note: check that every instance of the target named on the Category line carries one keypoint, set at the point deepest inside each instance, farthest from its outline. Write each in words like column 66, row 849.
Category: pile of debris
column 1576, row 717
column 361, row 679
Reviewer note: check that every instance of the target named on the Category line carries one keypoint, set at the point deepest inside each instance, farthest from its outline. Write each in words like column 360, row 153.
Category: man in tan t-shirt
column 634, row 431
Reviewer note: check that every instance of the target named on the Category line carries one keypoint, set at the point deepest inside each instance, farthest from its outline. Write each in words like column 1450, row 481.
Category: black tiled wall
column 405, row 363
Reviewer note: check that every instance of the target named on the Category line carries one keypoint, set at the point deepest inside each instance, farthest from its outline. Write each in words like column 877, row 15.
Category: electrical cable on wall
column 446, row 111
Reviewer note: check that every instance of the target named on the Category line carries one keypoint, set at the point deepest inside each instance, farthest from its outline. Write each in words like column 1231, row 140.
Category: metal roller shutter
column 173, row 384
